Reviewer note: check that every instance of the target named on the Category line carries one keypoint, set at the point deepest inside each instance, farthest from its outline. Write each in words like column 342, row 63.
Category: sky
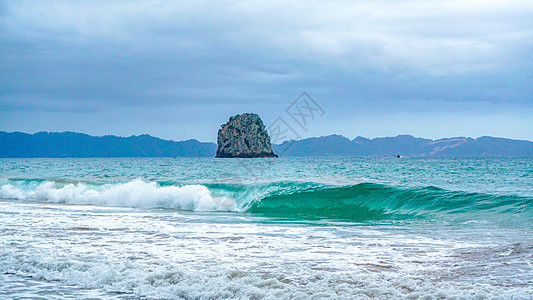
column 179, row 69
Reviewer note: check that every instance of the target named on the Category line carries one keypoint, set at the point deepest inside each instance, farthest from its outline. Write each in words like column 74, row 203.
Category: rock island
column 244, row 136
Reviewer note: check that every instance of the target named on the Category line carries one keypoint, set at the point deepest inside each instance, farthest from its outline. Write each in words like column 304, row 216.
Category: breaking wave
column 281, row 199
column 136, row 193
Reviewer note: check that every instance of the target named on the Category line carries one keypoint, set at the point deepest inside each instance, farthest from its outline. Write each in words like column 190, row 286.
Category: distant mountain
column 406, row 145
column 71, row 144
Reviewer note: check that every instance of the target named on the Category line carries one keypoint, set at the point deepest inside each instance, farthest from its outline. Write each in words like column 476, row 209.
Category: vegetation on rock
column 244, row 136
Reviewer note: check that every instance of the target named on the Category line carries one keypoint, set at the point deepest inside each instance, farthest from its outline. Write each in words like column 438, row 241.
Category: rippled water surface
column 266, row 228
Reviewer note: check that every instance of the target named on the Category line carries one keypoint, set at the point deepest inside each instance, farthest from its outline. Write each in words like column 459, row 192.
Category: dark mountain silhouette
column 71, row 144
column 406, row 145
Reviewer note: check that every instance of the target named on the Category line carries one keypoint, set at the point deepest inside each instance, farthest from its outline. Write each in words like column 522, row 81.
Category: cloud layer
column 178, row 70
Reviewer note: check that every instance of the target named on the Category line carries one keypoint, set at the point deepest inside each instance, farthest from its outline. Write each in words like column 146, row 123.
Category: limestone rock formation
column 244, row 136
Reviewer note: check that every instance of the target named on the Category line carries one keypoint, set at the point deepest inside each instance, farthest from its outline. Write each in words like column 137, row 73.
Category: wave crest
column 282, row 199
column 371, row 201
column 136, row 193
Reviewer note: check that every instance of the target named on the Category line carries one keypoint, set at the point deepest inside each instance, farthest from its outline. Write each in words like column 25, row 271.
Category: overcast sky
column 178, row 70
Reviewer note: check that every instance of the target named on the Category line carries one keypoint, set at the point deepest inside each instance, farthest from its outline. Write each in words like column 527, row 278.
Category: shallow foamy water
column 87, row 251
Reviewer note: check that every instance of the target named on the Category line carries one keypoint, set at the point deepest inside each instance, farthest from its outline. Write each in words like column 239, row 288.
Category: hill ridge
column 75, row 144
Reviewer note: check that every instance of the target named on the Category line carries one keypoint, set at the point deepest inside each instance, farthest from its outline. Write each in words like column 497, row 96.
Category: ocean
column 299, row 228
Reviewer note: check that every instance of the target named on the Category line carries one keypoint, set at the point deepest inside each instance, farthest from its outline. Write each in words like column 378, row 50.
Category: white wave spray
column 136, row 193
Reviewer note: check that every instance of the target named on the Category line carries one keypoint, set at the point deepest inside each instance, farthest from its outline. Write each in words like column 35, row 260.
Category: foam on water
column 125, row 252
column 136, row 193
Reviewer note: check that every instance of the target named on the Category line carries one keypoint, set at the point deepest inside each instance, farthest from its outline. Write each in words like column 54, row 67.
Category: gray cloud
column 174, row 63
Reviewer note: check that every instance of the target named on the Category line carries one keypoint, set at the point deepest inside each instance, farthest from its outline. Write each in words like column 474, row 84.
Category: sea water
column 199, row 228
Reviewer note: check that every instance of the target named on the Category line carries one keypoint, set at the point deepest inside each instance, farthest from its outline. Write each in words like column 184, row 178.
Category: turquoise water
column 266, row 228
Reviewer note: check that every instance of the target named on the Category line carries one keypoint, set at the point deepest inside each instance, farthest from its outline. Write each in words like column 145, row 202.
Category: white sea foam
column 49, row 250
column 136, row 193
